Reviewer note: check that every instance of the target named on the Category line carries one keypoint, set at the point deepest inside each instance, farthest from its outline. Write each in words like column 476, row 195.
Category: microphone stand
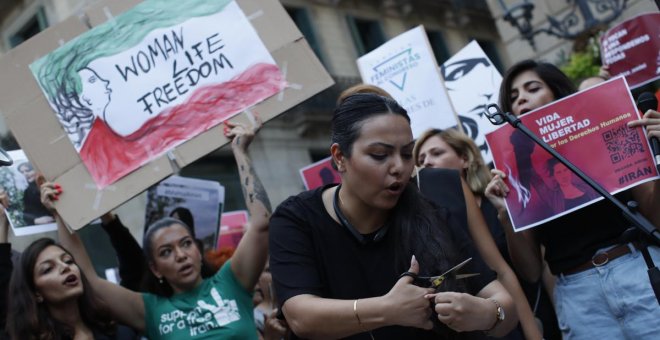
column 630, row 212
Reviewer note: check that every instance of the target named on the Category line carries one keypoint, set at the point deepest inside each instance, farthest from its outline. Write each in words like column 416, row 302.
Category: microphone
column 647, row 101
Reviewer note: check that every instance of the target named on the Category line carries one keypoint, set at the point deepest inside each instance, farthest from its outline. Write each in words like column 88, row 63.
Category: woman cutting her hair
column 338, row 252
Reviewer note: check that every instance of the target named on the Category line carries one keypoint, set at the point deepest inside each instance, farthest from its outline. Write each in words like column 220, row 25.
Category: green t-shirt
column 220, row 308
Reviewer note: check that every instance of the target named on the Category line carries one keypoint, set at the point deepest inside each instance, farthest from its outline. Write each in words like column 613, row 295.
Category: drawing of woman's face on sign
column 472, row 83
column 150, row 85
column 477, row 74
column 95, row 94
column 25, row 212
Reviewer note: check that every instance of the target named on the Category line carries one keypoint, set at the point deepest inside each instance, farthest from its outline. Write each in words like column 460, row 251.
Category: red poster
column 589, row 129
column 632, row 49
column 319, row 174
column 231, row 228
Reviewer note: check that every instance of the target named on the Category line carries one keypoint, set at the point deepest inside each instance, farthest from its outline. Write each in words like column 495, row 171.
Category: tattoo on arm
column 259, row 190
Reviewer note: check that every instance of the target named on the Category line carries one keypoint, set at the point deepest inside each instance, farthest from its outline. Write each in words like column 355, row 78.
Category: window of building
column 303, row 21
column 367, row 34
column 438, row 45
column 490, row 49
column 34, row 25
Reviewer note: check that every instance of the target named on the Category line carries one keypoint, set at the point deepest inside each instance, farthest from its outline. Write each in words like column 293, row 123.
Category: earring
column 160, row 280
column 40, row 299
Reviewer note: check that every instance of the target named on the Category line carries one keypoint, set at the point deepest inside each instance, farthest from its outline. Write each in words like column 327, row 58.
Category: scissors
column 436, row 281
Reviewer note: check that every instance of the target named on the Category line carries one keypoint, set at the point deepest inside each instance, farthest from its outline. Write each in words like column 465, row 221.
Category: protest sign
column 472, row 82
column 196, row 202
column 632, row 49
column 148, row 86
column 31, row 108
column 24, row 211
column 406, row 68
column 589, row 129
column 319, row 174
column 231, row 228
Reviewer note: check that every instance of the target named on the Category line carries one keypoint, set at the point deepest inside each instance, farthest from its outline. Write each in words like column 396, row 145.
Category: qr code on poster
column 622, row 143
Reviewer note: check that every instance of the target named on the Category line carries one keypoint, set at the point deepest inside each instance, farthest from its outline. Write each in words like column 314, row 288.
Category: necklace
column 380, row 234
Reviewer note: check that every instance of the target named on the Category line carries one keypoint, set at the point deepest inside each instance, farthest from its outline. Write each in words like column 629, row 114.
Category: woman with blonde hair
column 452, row 149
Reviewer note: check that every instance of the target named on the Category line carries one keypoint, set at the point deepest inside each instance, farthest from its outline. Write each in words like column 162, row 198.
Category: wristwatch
column 499, row 317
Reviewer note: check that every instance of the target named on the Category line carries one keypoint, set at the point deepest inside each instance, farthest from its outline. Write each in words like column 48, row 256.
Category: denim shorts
column 614, row 301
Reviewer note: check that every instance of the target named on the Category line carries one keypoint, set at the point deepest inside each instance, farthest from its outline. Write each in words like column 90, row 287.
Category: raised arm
column 524, row 249
column 491, row 255
column 124, row 305
column 250, row 257
column 132, row 264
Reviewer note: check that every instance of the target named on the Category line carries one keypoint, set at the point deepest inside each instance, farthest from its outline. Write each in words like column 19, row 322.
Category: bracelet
column 356, row 313
column 499, row 316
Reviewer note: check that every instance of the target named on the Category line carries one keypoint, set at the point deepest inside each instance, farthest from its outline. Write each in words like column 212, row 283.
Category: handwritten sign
column 132, row 89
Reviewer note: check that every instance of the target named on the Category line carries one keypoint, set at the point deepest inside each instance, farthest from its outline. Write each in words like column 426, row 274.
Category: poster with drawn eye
column 319, row 174
column 589, row 129
column 405, row 67
column 133, row 88
column 196, row 202
column 472, row 82
column 19, row 190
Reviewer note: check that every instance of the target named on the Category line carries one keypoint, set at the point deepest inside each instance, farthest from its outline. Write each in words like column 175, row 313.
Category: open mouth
column 523, row 111
column 186, row 269
column 395, row 188
column 71, row 280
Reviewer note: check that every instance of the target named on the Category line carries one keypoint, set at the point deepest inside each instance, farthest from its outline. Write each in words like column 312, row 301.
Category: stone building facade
column 551, row 48
column 339, row 32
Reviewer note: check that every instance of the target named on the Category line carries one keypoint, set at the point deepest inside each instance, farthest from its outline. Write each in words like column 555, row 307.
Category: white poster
column 25, row 212
column 133, row 88
column 406, row 68
column 473, row 82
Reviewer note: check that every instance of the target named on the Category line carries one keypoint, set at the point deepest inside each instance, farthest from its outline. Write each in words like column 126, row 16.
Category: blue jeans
column 614, row 301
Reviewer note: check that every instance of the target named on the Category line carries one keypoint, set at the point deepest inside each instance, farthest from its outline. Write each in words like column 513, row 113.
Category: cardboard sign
column 589, row 129
column 146, row 86
column 232, row 226
column 30, row 116
column 406, row 68
column 319, row 174
column 25, row 212
column 472, row 82
column 196, row 202
column 632, row 49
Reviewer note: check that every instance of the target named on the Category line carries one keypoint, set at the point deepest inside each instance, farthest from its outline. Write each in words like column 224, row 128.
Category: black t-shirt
column 310, row 253
column 574, row 238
